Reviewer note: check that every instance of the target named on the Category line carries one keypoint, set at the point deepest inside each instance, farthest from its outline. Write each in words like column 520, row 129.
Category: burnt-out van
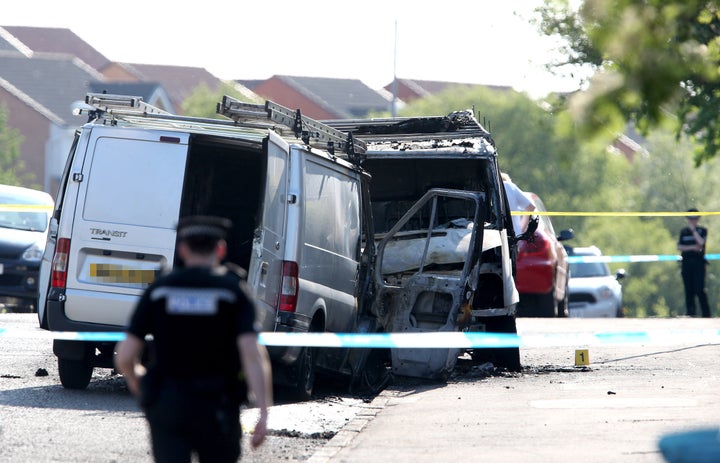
column 445, row 244
column 134, row 171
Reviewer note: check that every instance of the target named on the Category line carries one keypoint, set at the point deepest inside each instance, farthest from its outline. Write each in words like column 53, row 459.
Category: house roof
column 348, row 98
column 250, row 83
column 423, row 88
column 9, row 43
column 56, row 40
column 178, row 81
column 54, row 81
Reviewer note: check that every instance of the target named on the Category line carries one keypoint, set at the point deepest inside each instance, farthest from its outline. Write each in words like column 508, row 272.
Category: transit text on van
column 103, row 232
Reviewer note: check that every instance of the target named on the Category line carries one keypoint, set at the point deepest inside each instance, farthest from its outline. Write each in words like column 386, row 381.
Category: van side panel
column 329, row 262
column 125, row 218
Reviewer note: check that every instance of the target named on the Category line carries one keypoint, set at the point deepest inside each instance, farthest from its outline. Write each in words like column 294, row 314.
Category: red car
column 543, row 270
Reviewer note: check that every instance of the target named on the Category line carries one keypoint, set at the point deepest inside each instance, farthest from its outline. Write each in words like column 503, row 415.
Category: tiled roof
column 9, row 43
column 178, row 81
column 54, row 81
column 424, row 88
column 57, row 40
column 143, row 89
column 250, row 83
column 349, row 98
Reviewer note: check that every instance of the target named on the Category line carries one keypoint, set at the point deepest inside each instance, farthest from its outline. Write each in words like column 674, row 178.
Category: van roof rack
column 120, row 104
column 458, row 124
column 305, row 128
column 264, row 116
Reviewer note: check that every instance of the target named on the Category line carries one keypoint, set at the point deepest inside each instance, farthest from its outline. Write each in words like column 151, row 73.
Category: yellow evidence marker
column 582, row 357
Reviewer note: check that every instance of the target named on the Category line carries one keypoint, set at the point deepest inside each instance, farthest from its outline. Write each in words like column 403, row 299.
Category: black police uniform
column 192, row 392
column 693, row 272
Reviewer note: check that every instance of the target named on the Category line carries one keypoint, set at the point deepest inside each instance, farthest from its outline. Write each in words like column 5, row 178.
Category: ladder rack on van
column 121, row 104
column 263, row 116
column 304, row 127
column 459, row 124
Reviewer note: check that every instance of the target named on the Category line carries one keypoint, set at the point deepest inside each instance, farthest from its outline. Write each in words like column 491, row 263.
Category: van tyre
column 305, row 374
column 507, row 358
column 376, row 373
column 74, row 374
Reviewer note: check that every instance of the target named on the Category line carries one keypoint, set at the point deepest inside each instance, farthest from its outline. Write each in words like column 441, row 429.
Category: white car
column 594, row 291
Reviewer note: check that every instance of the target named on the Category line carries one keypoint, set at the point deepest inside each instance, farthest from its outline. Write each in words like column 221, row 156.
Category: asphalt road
column 40, row 421
column 613, row 409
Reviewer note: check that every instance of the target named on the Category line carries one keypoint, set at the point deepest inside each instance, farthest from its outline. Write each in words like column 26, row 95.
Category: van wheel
column 376, row 373
column 74, row 374
column 501, row 357
column 305, row 374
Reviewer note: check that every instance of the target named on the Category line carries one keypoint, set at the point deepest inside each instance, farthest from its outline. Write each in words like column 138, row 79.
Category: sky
column 487, row 42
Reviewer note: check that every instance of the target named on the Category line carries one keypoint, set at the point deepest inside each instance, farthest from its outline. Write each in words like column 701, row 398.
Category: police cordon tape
column 428, row 340
column 636, row 258
column 614, row 214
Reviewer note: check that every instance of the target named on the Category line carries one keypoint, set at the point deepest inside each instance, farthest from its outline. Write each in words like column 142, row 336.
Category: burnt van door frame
column 269, row 262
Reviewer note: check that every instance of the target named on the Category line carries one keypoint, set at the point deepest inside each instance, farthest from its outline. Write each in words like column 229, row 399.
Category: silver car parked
column 594, row 290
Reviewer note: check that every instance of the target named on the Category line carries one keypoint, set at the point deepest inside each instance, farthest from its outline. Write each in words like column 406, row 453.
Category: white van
column 134, row 171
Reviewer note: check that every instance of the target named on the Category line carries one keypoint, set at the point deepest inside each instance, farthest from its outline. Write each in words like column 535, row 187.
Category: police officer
column 691, row 244
column 204, row 340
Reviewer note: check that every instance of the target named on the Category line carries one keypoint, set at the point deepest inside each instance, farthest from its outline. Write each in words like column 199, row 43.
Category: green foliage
column 202, row 101
column 10, row 139
column 658, row 61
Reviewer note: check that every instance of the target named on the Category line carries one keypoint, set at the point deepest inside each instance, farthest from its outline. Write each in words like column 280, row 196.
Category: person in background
column 519, row 201
column 202, row 320
column 691, row 244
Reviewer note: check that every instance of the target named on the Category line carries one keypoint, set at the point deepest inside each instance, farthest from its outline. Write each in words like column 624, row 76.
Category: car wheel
column 74, row 374
column 546, row 305
column 562, row 307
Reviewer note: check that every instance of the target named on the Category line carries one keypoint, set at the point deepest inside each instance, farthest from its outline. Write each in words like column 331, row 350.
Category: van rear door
column 123, row 231
column 266, row 271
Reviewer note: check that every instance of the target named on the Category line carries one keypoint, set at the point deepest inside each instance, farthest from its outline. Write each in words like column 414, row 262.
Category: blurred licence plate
column 121, row 274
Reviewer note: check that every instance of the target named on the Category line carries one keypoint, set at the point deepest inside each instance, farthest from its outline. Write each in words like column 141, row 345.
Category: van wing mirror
column 529, row 233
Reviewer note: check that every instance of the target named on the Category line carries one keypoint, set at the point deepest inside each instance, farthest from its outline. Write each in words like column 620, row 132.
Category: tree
column 657, row 61
column 202, row 101
column 10, row 139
